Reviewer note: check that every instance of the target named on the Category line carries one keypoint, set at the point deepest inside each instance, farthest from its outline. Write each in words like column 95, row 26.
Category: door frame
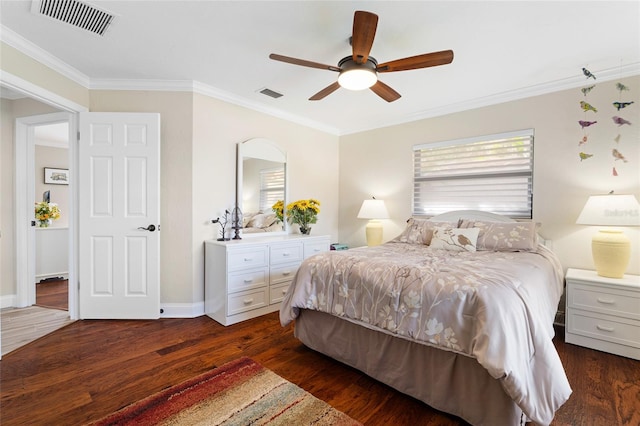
column 23, row 215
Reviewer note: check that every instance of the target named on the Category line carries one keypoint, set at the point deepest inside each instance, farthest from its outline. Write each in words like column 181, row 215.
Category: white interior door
column 119, row 215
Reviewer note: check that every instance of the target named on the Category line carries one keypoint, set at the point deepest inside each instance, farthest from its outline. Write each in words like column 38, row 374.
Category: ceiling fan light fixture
column 357, row 79
column 354, row 76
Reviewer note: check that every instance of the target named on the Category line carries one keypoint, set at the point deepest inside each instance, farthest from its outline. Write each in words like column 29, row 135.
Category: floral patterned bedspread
column 497, row 307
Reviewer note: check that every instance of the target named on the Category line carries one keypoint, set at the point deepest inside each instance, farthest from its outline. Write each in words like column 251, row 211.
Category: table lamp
column 373, row 210
column 611, row 248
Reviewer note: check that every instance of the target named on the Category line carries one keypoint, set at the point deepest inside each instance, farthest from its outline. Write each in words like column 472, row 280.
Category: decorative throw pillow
column 246, row 219
column 262, row 220
column 420, row 231
column 505, row 236
column 455, row 239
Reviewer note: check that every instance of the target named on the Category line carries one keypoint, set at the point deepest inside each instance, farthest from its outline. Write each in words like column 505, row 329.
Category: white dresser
column 603, row 313
column 248, row 278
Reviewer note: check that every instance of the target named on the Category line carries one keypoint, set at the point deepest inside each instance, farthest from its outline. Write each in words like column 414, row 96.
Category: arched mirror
column 261, row 181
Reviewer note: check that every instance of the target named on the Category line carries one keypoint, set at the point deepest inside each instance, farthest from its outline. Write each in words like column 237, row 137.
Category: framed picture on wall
column 56, row 176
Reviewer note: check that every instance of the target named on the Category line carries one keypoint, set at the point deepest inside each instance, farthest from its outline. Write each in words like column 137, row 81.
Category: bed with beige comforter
column 496, row 307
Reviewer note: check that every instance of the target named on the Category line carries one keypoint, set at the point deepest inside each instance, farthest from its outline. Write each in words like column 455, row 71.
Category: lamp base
column 611, row 251
column 374, row 233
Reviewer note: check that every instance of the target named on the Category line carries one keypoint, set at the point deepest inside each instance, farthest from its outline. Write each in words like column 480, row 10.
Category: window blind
column 490, row 173
column 271, row 187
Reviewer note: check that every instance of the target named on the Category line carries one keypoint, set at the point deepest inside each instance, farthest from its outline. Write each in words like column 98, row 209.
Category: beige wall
column 9, row 111
column 58, row 158
column 34, row 72
column 379, row 163
column 312, row 166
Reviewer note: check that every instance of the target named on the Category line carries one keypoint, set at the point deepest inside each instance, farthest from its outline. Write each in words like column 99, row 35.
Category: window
column 490, row 173
column 271, row 188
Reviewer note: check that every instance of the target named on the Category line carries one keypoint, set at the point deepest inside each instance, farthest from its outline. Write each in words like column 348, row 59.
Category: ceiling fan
column 360, row 71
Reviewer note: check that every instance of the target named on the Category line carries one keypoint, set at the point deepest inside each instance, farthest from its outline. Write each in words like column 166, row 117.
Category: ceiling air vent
column 271, row 93
column 76, row 13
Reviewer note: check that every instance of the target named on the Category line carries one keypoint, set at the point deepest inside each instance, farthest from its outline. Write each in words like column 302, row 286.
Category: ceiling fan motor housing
column 355, row 76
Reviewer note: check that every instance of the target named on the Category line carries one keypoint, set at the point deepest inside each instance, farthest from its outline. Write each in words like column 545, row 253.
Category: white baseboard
column 181, row 310
column 170, row 310
column 8, row 301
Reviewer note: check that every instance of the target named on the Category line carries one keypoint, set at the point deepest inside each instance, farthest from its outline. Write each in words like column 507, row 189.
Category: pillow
column 455, row 239
column 420, row 231
column 246, row 218
column 262, row 220
column 505, row 236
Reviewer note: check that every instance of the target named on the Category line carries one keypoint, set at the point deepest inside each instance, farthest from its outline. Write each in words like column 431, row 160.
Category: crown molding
column 20, row 43
column 206, row 90
column 629, row 70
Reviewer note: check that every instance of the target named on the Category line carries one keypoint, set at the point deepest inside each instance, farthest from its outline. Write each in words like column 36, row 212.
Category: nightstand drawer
column 246, row 301
column 605, row 300
column 604, row 327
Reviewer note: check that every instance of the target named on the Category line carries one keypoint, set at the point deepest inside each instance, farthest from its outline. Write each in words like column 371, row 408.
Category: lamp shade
column 373, row 209
column 610, row 210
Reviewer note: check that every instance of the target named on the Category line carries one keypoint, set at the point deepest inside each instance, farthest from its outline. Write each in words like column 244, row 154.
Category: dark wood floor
column 53, row 293
column 91, row 368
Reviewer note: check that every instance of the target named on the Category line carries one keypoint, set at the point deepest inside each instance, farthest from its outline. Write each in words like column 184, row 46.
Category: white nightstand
column 603, row 313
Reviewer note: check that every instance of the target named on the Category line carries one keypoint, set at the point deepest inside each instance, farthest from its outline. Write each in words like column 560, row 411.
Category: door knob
column 149, row 228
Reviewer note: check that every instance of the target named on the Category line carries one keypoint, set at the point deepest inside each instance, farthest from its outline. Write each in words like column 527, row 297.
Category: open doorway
column 24, row 116
column 51, row 167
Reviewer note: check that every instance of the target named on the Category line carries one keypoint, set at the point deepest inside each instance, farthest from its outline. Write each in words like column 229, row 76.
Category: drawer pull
column 285, row 273
column 603, row 328
column 606, row 301
column 248, row 280
column 286, row 254
column 248, row 259
column 248, row 301
column 284, row 291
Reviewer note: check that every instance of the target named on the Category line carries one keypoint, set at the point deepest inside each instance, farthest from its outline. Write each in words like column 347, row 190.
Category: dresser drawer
column 605, row 300
column 314, row 248
column 248, row 258
column 604, row 327
column 240, row 281
column 288, row 253
column 277, row 292
column 284, row 273
column 247, row 300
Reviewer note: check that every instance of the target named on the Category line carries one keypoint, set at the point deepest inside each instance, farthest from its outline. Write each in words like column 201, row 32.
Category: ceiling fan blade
column 385, row 92
column 419, row 61
column 302, row 62
column 364, row 31
column 325, row 92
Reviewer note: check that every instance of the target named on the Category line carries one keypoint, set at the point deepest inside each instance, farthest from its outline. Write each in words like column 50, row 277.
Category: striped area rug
column 241, row 392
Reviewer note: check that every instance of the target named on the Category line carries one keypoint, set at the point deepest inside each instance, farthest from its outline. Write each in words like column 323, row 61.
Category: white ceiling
column 504, row 50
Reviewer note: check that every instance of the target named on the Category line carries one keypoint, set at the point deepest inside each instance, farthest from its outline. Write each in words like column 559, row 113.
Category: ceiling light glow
column 357, row 78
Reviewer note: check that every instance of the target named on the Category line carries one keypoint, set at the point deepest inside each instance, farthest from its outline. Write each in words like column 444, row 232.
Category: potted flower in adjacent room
column 46, row 213
column 304, row 213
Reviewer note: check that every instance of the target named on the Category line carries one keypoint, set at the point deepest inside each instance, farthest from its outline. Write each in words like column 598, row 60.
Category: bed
column 457, row 311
